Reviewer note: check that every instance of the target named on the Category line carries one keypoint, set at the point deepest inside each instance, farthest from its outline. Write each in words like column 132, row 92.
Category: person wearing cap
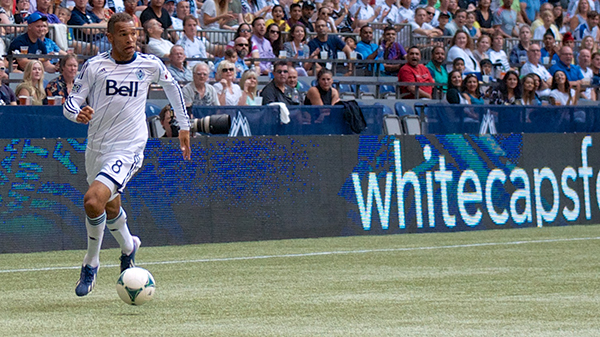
column 169, row 6
column 308, row 9
column 443, row 20
column 32, row 41
column 567, row 41
column 43, row 8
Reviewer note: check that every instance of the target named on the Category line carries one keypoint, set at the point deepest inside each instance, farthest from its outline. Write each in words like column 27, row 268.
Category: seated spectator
column 369, row 51
column 442, row 22
column 509, row 91
column 265, row 50
column 244, row 30
column 457, row 24
column 295, row 14
column 228, row 92
column 470, row 90
column 436, row 66
column 193, row 46
column 7, row 95
column 254, row 9
column 156, row 44
column 22, row 12
column 177, row 66
column 505, row 20
column 420, row 28
column 249, row 83
column 564, row 64
column 483, row 48
column 474, row 32
column 568, row 41
column 462, row 47
column 51, row 46
column 459, row 65
column 324, row 42
column 596, row 65
column 36, row 27
column 453, row 95
column 100, row 11
column 296, row 47
column 62, row 85
column 547, row 25
column 392, row 50
column 530, row 96
column 487, row 70
column 561, row 92
column 518, row 55
column 588, row 28
column 585, row 62
column 578, row 13
column 275, row 38
column 198, row 92
column 364, row 13
column 33, row 82
column 292, row 82
column 550, row 49
column 166, row 116
column 589, row 43
column 182, row 9
column 498, row 55
column 413, row 71
column 169, row 5
column 43, row 8
column 323, row 93
column 278, row 18
column 308, row 9
column 81, row 16
column 240, row 53
column 156, row 11
column 533, row 66
column 277, row 90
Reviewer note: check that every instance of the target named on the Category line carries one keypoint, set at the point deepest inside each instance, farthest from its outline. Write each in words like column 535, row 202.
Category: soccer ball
column 136, row 286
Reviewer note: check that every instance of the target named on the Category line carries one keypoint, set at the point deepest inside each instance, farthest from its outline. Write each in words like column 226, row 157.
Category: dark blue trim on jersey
column 110, row 178
column 127, row 62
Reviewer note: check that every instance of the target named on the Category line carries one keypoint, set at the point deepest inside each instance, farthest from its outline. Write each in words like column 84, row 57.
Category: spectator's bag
column 353, row 116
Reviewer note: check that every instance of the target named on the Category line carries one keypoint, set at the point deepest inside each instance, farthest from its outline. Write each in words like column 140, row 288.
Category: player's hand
column 184, row 143
column 85, row 115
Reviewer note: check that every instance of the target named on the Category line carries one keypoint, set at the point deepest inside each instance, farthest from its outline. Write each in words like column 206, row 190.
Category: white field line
column 340, row 252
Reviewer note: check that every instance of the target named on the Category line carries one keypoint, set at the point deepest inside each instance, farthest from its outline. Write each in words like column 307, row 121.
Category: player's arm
column 72, row 107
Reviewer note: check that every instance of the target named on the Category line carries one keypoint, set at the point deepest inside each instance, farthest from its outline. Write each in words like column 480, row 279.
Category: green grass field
column 520, row 282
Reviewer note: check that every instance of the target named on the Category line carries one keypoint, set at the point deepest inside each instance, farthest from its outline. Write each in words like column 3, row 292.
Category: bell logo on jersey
column 130, row 90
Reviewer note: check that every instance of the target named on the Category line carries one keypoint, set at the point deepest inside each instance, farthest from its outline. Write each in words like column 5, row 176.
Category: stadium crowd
column 459, row 48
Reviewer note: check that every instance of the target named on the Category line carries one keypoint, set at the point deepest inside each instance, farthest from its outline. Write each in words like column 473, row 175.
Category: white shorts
column 112, row 169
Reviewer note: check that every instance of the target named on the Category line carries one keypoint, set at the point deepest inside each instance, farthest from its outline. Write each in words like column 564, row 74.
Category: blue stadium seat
column 403, row 109
column 303, row 87
column 152, row 109
column 386, row 109
column 386, row 90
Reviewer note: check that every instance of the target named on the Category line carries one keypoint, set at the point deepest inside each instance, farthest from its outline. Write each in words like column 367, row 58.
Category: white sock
column 95, row 232
column 118, row 228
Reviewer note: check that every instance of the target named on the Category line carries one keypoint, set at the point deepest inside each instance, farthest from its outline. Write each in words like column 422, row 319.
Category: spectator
column 193, row 46
column 505, row 20
column 6, row 13
column 596, row 65
column 295, row 14
column 585, row 61
column 588, row 28
column 177, row 66
column 241, row 52
column 36, row 28
column 546, row 6
column 569, row 41
column 265, row 50
column 216, row 15
column 166, row 116
column 406, row 14
column 255, row 8
column 529, row 10
column 43, row 8
column 277, row 90
column 33, row 82
column 453, row 95
column 296, row 47
column 530, row 96
column 509, row 91
column 81, row 16
column 198, row 92
column 547, row 24
column 275, row 38
column 323, row 93
column 331, row 44
column 581, row 15
column 497, row 54
column 21, row 12
column 589, row 43
column 458, row 23
column 420, row 27
column 389, row 13
column 572, row 71
column 550, row 49
column 308, row 9
column 470, row 90
column 278, row 19
column 249, row 83
column 432, row 15
column 518, row 55
column 182, row 9
column 228, row 92
column 484, row 16
column 156, row 11
column 156, row 44
column 7, row 95
column 470, row 24
column 293, row 83
column 436, row 66
column 130, row 8
column 483, row 48
column 392, row 50
column 169, row 5
column 443, row 22
column 244, row 30
column 413, row 71
column 340, row 14
column 561, row 22
column 562, row 94
column 63, row 84
column 533, row 66
column 369, row 51
column 324, row 14
column 459, row 65
column 99, row 10
column 462, row 47
column 364, row 13
column 487, row 70
column 443, row 8
column 51, row 46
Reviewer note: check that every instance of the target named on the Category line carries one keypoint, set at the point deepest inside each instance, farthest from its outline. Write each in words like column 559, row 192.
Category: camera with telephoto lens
column 214, row 124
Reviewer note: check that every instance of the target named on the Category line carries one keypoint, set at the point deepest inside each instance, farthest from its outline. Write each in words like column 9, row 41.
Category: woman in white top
column 228, row 92
column 462, row 47
column 214, row 13
column 249, row 82
column 561, row 93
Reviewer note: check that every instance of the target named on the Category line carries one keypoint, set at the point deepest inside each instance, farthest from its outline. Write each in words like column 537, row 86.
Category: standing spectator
column 588, row 28
column 547, row 24
column 364, row 13
column 392, row 50
column 63, row 84
column 265, row 50
column 36, row 28
column 414, row 71
column 436, row 66
column 275, row 37
column 33, row 82
column 529, row 10
column 177, row 67
column 157, row 12
column 228, row 92
column 518, row 55
column 509, row 91
column 216, row 15
column 562, row 94
column 533, row 66
column 308, row 9
column 484, row 16
column 7, row 95
column 323, row 93
column 580, row 16
column 369, row 51
column 277, row 90
column 546, row 6
column 420, row 27
column 585, row 61
column 497, row 53
column 194, row 47
column 462, row 47
column 470, row 90
column 331, row 44
column 156, row 44
column 572, row 71
column 505, row 20
column 458, row 23
column 199, row 92
column 483, row 47
column 389, row 13
column 249, row 83
column 43, row 7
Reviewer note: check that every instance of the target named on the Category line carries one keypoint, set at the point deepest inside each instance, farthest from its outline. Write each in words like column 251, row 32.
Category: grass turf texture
column 519, row 282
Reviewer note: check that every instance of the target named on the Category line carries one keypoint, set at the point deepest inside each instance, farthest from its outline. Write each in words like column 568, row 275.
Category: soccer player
column 115, row 84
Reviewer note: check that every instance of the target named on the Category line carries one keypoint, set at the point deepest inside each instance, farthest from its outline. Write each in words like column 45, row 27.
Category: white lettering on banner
column 480, row 198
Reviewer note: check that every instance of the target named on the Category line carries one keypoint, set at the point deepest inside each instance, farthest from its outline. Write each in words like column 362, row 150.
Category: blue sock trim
column 112, row 221
column 97, row 221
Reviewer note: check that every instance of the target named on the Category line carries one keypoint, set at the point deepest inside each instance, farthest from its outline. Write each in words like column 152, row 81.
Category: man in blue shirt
column 573, row 72
column 36, row 28
column 327, row 43
column 368, row 50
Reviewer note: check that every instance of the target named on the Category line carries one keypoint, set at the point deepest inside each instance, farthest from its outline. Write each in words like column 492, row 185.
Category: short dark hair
column 414, row 47
column 116, row 18
column 388, row 28
column 257, row 19
column 324, row 71
column 279, row 64
column 294, row 5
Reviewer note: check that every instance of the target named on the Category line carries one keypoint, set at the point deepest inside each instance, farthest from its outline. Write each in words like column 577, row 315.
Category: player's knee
column 93, row 204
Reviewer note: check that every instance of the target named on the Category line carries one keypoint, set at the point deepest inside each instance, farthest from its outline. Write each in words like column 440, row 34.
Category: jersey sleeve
column 78, row 94
column 174, row 95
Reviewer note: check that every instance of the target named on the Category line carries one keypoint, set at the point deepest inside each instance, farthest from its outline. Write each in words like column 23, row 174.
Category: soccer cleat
column 87, row 280
column 128, row 261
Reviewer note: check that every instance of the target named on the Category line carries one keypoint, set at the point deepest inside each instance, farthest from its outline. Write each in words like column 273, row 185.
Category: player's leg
column 117, row 224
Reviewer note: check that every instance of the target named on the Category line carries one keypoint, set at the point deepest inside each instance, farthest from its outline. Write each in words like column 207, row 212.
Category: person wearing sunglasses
column 277, row 90
column 228, row 92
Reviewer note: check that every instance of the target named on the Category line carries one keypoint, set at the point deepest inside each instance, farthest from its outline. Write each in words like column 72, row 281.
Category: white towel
column 284, row 113
column 60, row 35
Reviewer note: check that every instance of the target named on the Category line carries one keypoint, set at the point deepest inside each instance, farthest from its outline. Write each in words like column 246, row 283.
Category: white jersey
column 117, row 92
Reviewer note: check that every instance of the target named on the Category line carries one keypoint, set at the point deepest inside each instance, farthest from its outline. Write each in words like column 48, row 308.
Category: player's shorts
column 113, row 169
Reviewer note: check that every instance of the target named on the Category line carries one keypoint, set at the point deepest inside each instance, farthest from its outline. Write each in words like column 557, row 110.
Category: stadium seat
column 302, row 86
column 403, row 109
column 365, row 92
column 386, row 109
column 152, row 109
column 386, row 91
column 155, row 130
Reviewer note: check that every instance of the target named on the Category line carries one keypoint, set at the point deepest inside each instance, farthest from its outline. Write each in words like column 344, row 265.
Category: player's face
column 123, row 40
